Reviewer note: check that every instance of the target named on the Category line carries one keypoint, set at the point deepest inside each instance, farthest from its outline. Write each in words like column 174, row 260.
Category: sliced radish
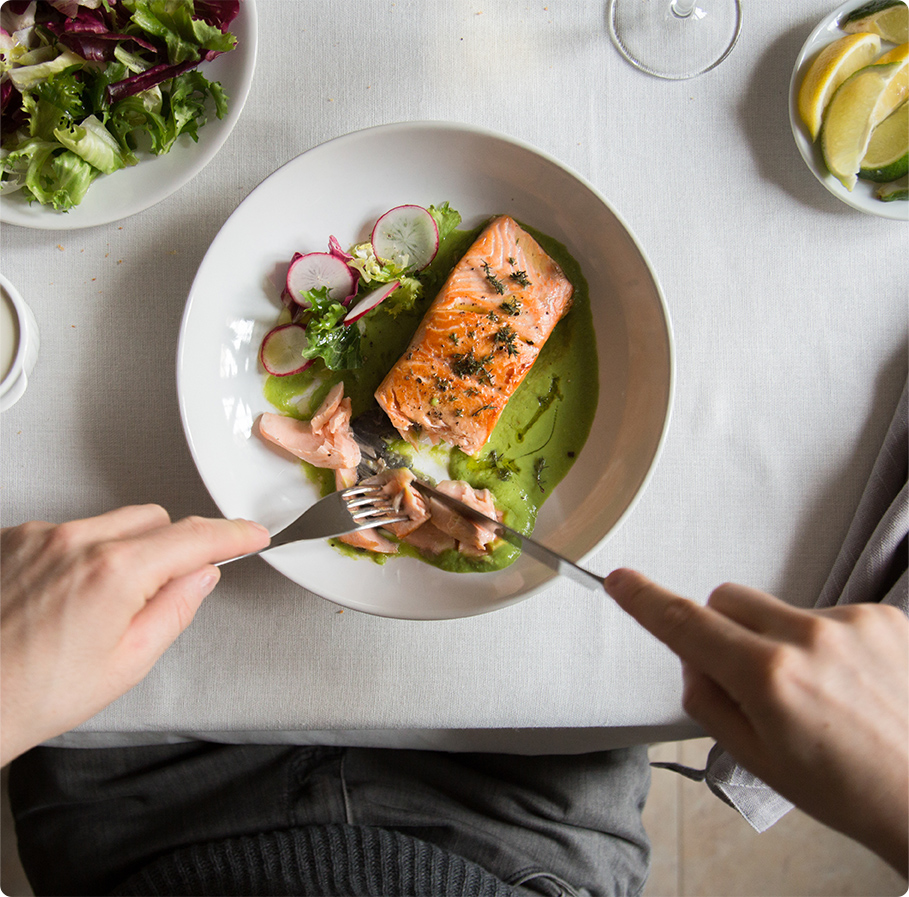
column 335, row 248
column 407, row 236
column 282, row 348
column 370, row 301
column 320, row 269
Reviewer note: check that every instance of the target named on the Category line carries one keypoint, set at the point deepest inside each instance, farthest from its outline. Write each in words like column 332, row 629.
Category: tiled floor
column 702, row 848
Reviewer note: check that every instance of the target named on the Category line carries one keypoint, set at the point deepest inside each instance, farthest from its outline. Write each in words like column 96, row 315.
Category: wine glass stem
column 682, row 8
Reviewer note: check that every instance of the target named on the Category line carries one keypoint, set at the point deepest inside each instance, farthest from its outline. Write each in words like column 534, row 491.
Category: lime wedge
column 859, row 105
column 895, row 190
column 888, row 150
column 833, row 65
column 887, row 18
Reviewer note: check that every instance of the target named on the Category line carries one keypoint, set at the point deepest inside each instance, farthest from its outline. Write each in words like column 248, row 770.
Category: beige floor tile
column 13, row 882
column 722, row 856
column 661, row 819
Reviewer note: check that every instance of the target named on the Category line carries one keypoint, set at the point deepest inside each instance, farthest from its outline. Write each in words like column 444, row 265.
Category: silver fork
column 360, row 507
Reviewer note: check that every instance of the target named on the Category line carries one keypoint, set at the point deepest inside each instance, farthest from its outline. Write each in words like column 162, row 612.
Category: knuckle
column 678, row 614
column 108, row 561
column 196, row 526
column 64, row 538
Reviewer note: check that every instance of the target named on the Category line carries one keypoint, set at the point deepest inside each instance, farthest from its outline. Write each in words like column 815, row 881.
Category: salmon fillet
column 477, row 341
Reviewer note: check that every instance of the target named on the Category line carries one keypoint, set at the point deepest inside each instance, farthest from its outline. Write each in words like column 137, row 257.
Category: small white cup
column 19, row 342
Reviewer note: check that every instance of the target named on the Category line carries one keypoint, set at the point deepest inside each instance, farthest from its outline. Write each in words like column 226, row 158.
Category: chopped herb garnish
column 504, row 467
column 538, row 467
column 481, row 408
column 520, row 277
column 504, row 339
column 511, row 306
column 467, row 364
column 453, row 337
column 494, row 281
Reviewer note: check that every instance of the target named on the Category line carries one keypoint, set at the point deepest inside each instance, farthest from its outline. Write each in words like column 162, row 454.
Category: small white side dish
column 862, row 196
column 233, row 303
column 19, row 343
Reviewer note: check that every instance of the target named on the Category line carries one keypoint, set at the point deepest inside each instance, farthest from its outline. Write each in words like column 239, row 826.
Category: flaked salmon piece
column 478, row 340
column 345, row 477
column 472, row 538
column 396, row 486
column 324, row 441
column 371, row 540
column 430, row 539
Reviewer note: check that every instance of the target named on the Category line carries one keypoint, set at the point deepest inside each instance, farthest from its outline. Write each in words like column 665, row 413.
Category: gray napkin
column 871, row 566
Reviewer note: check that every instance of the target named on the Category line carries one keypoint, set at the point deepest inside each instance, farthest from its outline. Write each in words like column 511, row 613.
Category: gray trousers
column 87, row 819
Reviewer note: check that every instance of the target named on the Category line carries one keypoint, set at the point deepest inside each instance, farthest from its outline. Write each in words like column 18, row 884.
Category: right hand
column 813, row 702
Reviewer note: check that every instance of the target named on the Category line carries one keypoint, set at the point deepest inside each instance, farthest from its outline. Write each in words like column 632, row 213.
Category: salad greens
column 86, row 85
column 337, row 345
column 332, row 332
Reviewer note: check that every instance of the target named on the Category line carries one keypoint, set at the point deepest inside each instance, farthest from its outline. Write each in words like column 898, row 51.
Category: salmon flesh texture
column 477, row 340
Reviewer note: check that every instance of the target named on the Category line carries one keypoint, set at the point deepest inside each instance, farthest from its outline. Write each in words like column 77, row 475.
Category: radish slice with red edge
column 282, row 348
column 370, row 301
column 321, row 269
column 406, row 236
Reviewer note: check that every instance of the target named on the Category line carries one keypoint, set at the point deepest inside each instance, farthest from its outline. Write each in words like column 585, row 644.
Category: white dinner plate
column 340, row 189
column 131, row 190
column 862, row 196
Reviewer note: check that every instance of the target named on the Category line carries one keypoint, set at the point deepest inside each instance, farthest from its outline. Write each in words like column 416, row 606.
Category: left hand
column 89, row 606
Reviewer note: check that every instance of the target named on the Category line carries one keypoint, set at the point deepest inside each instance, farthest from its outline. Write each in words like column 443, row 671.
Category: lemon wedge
column 888, row 18
column 897, row 54
column 857, row 107
column 888, row 150
column 833, row 65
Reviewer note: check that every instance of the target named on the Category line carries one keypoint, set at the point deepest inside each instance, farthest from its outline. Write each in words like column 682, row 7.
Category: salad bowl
column 134, row 189
column 233, row 303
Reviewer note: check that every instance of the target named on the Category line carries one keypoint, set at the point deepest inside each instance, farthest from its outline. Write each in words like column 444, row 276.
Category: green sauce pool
column 537, row 438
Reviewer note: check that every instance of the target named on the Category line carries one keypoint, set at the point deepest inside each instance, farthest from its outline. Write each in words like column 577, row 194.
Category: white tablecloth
column 790, row 317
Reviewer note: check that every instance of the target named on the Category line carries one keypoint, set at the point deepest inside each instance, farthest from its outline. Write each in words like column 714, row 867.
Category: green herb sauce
column 537, row 438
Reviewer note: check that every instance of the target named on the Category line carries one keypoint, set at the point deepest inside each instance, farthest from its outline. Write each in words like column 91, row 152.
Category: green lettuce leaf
column 48, row 175
column 91, row 141
column 172, row 21
column 446, row 218
column 327, row 338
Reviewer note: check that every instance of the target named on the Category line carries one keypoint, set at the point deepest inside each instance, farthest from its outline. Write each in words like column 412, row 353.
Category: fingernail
column 207, row 582
column 259, row 527
column 616, row 579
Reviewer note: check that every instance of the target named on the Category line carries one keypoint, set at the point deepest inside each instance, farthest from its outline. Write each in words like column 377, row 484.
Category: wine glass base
column 657, row 41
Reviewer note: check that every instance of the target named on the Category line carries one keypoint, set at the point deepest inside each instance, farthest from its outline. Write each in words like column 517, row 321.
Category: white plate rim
column 187, row 156
column 862, row 197
column 404, row 127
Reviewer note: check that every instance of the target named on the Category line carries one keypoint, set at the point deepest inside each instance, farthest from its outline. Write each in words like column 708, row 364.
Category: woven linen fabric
column 871, row 566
